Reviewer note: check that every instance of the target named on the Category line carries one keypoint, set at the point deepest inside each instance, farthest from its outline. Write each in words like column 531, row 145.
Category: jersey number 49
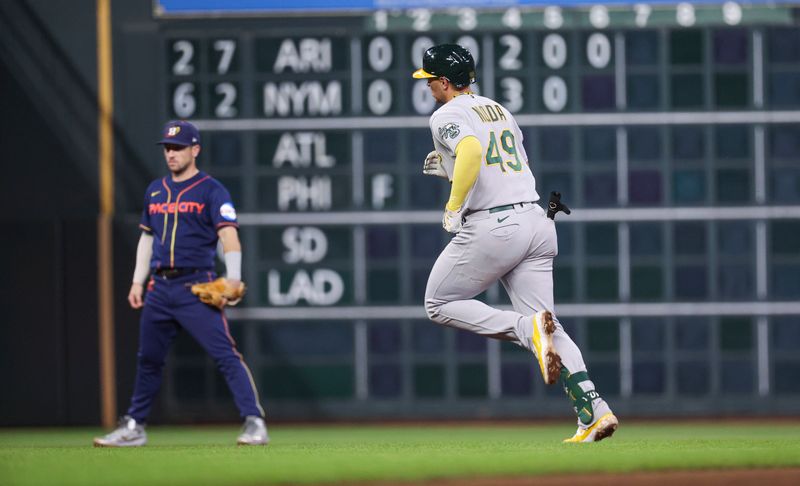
column 509, row 147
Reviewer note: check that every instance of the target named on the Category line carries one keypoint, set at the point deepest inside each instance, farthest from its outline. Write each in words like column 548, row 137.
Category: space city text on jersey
column 171, row 208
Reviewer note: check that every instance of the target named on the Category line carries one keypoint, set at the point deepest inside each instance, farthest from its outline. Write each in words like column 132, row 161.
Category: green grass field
column 318, row 454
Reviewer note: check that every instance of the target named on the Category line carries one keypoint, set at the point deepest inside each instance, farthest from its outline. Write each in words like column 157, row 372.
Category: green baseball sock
column 580, row 389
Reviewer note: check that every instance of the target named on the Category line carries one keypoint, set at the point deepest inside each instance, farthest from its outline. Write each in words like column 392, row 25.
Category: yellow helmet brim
column 422, row 74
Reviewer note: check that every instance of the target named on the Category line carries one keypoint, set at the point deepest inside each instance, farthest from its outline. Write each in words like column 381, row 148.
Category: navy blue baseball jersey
column 184, row 218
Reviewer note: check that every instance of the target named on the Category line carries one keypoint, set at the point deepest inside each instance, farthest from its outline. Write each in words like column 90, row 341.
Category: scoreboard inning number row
column 640, row 15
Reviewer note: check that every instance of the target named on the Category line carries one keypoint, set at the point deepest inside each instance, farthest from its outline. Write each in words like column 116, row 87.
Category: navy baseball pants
column 170, row 304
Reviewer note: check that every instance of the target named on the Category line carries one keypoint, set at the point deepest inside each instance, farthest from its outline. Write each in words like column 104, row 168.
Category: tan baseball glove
column 219, row 293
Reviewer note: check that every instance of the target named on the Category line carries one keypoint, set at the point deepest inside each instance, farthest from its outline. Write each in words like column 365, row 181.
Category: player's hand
column 451, row 221
column 234, row 284
column 433, row 165
column 135, row 295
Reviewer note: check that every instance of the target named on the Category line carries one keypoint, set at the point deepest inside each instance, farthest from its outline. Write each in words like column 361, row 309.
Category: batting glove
column 451, row 221
column 433, row 165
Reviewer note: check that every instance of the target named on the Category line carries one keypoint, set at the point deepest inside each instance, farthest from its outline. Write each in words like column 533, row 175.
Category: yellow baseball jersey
column 505, row 176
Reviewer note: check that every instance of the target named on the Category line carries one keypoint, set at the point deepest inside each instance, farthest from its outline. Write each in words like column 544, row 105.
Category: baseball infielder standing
column 184, row 216
column 501, row 233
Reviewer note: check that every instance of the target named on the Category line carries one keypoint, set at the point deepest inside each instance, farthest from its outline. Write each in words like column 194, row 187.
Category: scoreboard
column 671, row 129
column 622, row 107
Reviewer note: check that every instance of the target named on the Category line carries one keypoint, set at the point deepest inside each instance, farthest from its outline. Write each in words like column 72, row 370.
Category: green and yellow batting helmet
column 449, row 61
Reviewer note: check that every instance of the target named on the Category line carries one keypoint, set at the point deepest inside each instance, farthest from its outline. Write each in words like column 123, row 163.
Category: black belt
column 177, row 272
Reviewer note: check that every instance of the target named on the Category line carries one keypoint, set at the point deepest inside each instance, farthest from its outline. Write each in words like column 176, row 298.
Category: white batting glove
column 451, row 221
column 433, row 165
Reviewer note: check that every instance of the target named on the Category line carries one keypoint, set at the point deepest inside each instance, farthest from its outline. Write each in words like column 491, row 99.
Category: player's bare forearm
column 229, row 236
column 232, row 253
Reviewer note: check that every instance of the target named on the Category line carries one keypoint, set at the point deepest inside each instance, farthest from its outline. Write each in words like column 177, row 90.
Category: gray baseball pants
column 516, row 246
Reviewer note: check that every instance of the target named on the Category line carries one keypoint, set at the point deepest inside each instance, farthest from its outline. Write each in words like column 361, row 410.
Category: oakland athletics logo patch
column 450, row 130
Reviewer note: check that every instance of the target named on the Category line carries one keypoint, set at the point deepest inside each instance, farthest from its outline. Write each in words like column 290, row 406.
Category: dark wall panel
column 32, row 360
column 79, row 285
column 39, row 176
column 48, row 336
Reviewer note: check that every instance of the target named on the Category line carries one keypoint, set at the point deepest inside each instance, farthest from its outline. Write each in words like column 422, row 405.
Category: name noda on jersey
column 505, row 176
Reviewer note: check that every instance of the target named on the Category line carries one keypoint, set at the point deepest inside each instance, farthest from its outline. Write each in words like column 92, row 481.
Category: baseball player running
column 500, row 234
column 184, row 216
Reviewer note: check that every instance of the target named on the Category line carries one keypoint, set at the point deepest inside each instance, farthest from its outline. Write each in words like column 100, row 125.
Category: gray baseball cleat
column 128, row 433
column 254, row 432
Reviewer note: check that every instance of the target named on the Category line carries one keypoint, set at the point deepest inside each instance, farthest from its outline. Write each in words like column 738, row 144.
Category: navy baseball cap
column 180, row 132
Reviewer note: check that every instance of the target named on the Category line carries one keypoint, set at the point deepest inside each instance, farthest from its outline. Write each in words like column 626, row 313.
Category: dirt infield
column 727, row 477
